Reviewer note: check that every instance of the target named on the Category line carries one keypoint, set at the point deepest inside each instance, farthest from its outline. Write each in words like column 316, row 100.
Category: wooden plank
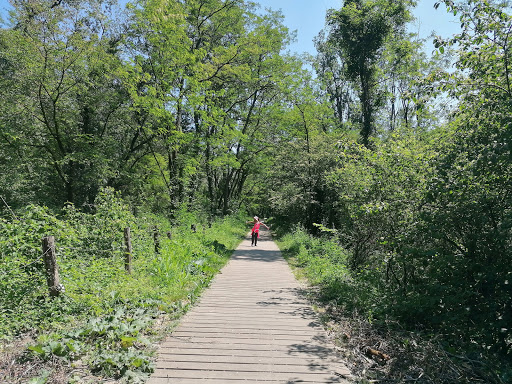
column 251, row 325
column 284, row 377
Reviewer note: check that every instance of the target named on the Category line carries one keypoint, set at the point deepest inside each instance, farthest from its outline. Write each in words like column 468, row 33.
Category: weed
column 104, row 322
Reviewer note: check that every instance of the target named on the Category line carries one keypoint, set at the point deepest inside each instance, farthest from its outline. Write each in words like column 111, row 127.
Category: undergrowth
column 354, row 308
column 104, row 323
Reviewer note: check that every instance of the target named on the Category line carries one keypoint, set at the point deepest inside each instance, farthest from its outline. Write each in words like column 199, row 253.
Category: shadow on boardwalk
column 252, row 326
column 257, row 254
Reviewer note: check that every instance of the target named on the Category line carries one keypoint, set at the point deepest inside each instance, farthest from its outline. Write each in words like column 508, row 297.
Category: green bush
column 22, row 280
column 323, row 261
column 104, row 314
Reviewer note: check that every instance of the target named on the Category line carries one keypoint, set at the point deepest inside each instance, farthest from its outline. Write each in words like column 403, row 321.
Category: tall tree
column 204, row 72
column 331, row 71
column 252, row 88
column 63, row 97
column 160, row 78
column 469, row 205
column 359, row 31
column 301, row 152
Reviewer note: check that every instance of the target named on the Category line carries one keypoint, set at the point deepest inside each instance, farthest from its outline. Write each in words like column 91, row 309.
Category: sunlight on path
column 250, row 326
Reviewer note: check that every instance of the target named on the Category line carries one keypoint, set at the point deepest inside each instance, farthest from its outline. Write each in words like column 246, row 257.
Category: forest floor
column 18, row 367
column 385, row 353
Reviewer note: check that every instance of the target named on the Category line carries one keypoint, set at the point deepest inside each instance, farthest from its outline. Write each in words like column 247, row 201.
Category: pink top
column 256, row 227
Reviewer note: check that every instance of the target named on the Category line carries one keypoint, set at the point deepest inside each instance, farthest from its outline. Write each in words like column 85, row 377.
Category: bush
column 103, row 314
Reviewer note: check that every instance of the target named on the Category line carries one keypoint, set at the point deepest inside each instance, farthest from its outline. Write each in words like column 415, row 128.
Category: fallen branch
column 374, row 352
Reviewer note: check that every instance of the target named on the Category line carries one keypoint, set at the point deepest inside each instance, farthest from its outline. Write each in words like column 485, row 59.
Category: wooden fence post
column 52, row 269
column 128, row 252
column 156, row 240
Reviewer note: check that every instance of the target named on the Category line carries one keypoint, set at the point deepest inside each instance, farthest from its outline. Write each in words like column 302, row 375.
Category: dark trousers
column 254, row 238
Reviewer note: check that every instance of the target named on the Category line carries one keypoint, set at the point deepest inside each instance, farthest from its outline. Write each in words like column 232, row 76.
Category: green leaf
column 127, row 342
column 37, row 349
column 138, row 362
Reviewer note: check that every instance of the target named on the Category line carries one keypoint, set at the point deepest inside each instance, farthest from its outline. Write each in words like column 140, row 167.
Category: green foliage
column 425, row 213
column 112, row 345
column 427, row 233
column 204, row 76
column 61, row 100
column 104, row 316
column 425, row 216
column 358, row 32
column 323, row 261
column 467, row 217
column 379, row 193
column 22, row 268
column 169, row 102
column 193, row 111
column 297, row 178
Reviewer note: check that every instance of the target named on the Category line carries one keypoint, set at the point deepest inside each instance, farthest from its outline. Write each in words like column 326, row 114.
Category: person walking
column 255, row 232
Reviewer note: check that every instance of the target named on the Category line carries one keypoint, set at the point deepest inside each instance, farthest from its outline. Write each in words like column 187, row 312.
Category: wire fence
column 61, row 251
column 89, row 251
column 9, row 208
column 48, row 256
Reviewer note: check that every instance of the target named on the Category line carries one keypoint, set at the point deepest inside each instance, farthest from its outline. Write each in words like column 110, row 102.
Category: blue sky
column 307, row 17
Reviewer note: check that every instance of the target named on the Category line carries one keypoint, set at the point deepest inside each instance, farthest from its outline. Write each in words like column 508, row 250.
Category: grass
column 106, row 322
column 352, row 307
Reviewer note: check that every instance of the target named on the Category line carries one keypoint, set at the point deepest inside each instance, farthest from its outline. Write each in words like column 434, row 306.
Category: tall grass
column 103, row 314
column 324, row 263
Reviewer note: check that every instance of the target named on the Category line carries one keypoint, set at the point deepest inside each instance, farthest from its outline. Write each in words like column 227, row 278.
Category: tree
column 62, row 94
column 359, row 31
column 204, row 72
column 302, row 153
column 252, row 96
column 331, row 71
column 468, row 208
column 409, row 103
column 160, row 79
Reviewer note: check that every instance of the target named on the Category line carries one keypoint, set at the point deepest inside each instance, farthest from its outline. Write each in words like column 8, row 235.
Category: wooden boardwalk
column 250, row 326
